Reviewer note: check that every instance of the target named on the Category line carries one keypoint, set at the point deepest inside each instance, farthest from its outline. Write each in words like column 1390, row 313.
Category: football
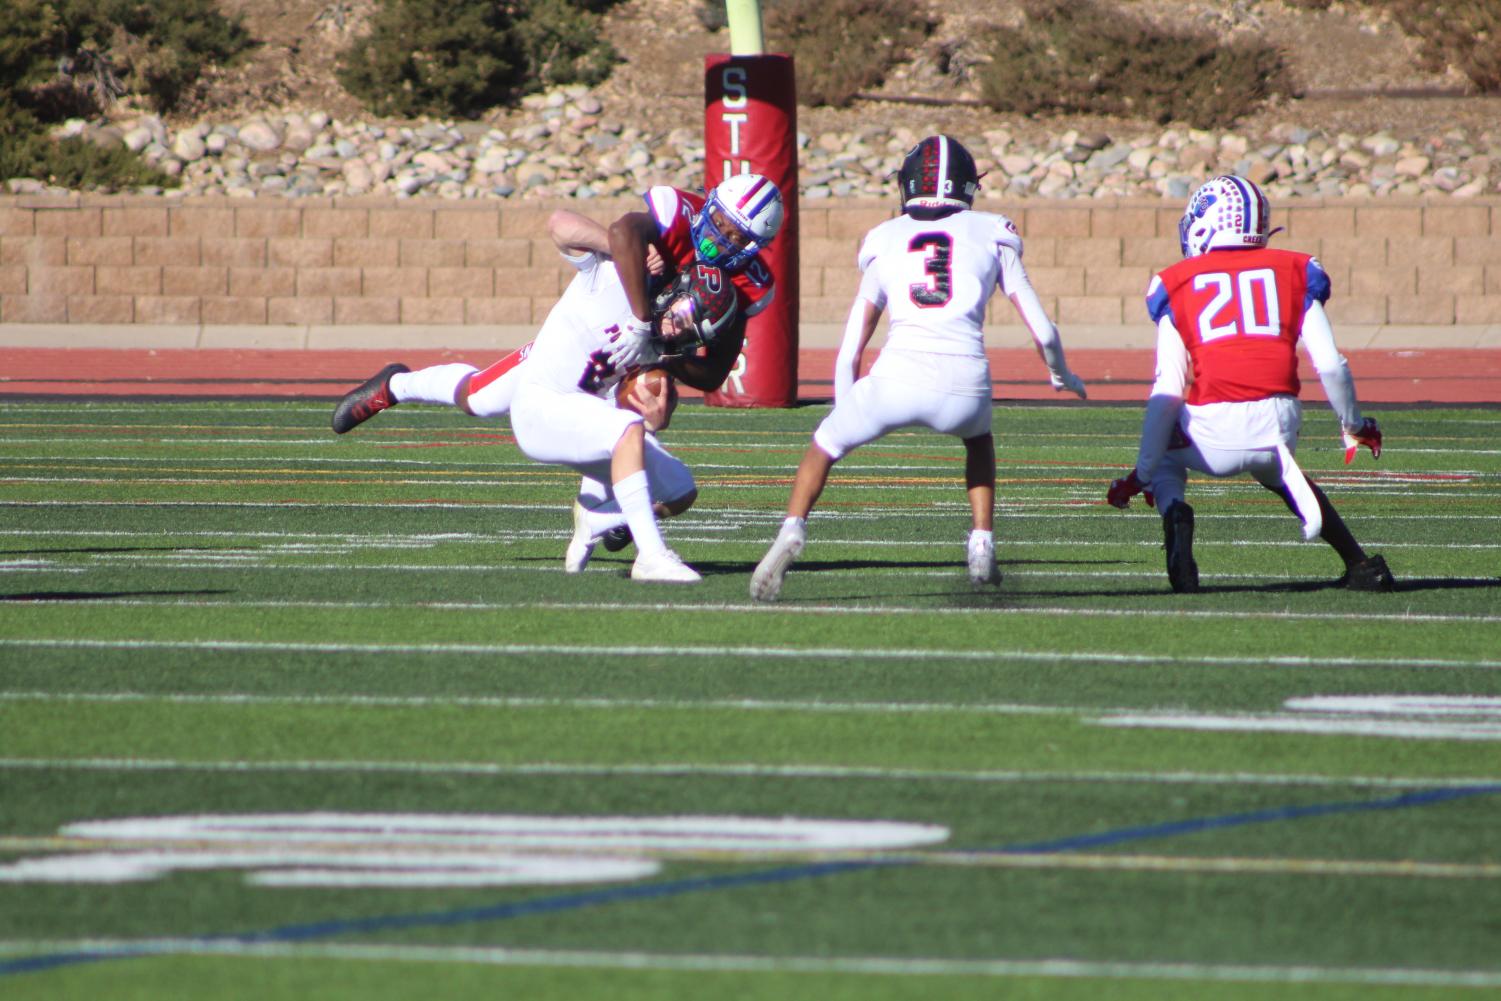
column 651, row 379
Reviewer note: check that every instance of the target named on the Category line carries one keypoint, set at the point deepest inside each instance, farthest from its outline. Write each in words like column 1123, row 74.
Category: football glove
column 1122, row 490
column 1066, row 380
column 1368, row 434
column 632, row 347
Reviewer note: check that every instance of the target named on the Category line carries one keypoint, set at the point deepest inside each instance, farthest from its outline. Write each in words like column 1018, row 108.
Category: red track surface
column 1406, row 376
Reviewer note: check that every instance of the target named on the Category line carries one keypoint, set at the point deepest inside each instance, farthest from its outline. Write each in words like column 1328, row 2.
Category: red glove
column 1122, row 490
column 1368, row 434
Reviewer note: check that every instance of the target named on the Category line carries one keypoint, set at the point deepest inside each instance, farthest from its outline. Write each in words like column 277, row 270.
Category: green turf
column 211, row 608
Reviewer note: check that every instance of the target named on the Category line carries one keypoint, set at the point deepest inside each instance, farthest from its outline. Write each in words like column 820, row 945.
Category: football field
column 285, row 715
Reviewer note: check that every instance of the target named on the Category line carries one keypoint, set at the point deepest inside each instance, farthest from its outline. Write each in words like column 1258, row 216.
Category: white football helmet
column 753, row 206
column 1226, row 211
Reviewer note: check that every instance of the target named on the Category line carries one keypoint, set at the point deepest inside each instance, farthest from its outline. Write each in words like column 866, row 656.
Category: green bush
column 842, row 47
column 158, row 48
column 1083, row 56
column 27, row 151
column 30, row 37
column 462, row 57
column 562, row 43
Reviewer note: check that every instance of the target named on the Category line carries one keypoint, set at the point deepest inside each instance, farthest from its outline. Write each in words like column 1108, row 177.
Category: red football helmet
column 695, row 309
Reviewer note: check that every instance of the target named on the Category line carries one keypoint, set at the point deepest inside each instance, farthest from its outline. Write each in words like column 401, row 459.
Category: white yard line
column 542, row 702
column 701, row 963
column 841, row 654
column 750, row 771
column 759, row 608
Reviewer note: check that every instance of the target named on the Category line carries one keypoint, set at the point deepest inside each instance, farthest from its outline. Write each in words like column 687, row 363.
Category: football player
column 934, row 268
column 727, row 229
column 1231, row 315
column 678, row 229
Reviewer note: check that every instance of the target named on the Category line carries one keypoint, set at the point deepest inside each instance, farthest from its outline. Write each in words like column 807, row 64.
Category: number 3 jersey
column 935, row 276
column 1240, row 314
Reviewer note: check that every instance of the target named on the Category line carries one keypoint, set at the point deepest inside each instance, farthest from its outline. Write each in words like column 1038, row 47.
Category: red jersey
column 674, row 210
column 1240, row 314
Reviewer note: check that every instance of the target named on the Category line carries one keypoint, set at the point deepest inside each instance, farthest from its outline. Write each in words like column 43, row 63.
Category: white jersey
column 581, row 323
column 935, row 277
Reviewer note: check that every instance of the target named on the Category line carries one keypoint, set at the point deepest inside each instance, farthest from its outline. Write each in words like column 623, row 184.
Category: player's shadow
column 104, row 595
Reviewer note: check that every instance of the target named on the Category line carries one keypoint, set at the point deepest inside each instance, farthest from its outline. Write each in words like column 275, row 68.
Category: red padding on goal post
column 750, row 126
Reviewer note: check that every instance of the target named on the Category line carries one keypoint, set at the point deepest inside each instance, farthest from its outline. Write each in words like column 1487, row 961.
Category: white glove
column 1067, row 380
column 632, row 347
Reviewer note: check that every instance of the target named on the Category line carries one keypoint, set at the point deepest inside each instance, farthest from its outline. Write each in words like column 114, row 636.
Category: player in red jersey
column 1225, row 401
column 649, row 249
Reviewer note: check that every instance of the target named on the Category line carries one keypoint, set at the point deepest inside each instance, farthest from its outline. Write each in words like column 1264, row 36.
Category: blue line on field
column 784, row 874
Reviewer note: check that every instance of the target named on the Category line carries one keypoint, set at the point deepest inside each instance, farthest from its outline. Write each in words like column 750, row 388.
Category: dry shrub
column 1088, row 57
column 843, row 47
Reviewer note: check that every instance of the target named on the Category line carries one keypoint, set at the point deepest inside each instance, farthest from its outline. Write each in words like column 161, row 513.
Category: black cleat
column 617, row 538
column 369, row 399
column 1178, row 536
column 1370, row 574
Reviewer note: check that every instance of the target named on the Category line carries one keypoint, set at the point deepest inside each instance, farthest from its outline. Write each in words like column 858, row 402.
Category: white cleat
column 766, row 582
column 665, row 567
column 982, row 568
column 581, row 546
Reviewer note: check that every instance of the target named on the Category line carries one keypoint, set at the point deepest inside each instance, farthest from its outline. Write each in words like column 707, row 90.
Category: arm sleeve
column 858, row 329
column 1334, row 371
column 1018, row 287
column 707, row 372
column 1165, row 401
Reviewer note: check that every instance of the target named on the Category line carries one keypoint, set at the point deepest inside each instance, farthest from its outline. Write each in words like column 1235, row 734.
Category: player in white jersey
column 933, row 268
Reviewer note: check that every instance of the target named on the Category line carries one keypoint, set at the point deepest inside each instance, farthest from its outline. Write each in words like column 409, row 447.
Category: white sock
column 795, row 524
column 438, row 384
column 601, row 520
column 634, row 496
column 980, row 535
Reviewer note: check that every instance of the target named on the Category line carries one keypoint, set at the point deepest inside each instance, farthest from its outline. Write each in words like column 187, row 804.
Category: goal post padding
column 750, row 126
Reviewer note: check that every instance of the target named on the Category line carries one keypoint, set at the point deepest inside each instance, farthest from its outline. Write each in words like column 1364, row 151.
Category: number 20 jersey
column 935, row 276
column 1240, row 314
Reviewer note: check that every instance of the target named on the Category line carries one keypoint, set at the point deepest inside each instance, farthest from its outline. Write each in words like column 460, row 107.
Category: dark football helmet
column 938, row 173
column 699, row 306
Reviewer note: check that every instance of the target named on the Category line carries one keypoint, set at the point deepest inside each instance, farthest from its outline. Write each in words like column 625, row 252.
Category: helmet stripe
column 1251, row 202
column 750, row 193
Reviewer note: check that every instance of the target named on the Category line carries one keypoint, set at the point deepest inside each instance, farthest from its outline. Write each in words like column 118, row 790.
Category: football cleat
column 365, row 401
column 766, row 582
column 617, row 538
column 982, row 568
column 581, row 546
column 1370, row 574
column 664, row 567
column 1178, row 535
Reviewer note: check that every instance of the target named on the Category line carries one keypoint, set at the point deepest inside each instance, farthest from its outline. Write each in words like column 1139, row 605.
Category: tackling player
column 678, row 229
column 934, row 267
column 1232, row 314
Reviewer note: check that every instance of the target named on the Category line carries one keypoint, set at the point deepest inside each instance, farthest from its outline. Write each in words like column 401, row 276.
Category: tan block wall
column 377, row 262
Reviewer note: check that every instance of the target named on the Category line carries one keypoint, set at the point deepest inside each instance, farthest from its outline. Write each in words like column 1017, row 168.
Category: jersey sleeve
column 1318, row 283
column 664, row 203
column 1158, row 303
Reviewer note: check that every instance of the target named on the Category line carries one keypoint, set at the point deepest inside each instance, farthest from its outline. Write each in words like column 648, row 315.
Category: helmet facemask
column 739, row 217
column 699, row 306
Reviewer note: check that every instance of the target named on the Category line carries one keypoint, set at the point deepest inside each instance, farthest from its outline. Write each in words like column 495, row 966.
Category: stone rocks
column 567, row 144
